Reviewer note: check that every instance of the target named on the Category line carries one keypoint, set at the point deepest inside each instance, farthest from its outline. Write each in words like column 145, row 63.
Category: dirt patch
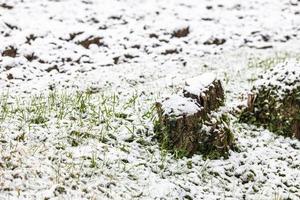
column 170, row 51
column 215, row 41
column 91, row 40
column 6, row 6
column 181, row 32
column 10, row 52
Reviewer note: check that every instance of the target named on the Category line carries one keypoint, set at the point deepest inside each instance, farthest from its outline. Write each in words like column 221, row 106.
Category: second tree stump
column 275, row 100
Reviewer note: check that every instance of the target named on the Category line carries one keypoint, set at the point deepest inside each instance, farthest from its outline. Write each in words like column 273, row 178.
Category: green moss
column 271, row 112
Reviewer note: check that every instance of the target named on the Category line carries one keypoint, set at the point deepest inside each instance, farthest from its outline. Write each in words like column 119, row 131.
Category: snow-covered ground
column 79, row 78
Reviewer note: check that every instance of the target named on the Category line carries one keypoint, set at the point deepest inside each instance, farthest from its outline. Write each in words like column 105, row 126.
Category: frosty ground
column 79, row 78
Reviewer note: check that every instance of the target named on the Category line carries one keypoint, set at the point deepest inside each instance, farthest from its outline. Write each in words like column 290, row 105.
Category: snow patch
column 177, row 105
column 199, row 84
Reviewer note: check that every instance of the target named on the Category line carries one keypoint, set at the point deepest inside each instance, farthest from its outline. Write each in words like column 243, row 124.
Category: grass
column 74, row 120
column 270, row 61
column 262, row 64
column 277, row 196
column 87, row 120
column 84, row 120
column 203, row 171
column 82, row 108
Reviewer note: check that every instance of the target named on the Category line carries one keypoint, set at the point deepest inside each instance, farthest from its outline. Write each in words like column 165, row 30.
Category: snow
column 178, row 106
column 284, row 76
column 199, row 84
column 129, row 163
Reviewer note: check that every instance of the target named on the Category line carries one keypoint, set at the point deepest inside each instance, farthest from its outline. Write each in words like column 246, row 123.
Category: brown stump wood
column 178, row 124
column 207, row 90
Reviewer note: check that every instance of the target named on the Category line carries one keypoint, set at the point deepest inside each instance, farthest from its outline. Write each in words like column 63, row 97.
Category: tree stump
column 206, row 89
column 178, row 124
column 180, row 119
column 274, row 101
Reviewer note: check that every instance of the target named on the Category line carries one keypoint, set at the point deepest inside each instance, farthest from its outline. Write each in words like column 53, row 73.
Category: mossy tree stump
column 180, row 119
column 274, row 101
column 178, row 124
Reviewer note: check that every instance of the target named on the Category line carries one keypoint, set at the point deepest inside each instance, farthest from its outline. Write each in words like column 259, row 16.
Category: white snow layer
column 178, row 106
column 284, row 76
column 199, row 84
